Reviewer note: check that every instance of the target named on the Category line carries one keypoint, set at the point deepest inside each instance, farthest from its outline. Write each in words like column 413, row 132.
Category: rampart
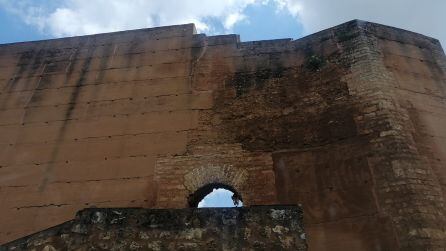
column 348, row 122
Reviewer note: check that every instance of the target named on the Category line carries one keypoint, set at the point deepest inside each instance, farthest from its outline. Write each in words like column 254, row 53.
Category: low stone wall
column 249, row 228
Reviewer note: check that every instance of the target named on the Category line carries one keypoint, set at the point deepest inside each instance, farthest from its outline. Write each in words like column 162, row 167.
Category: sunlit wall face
column 220, row 198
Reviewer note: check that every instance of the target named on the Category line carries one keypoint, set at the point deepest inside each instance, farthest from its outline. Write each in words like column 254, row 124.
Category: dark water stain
column 49, row 66
column 244, row 81
column 69, row 111
column 107, row 55
column 36, row 96
column 104, row 62
column 78, row 86
column 130, row 52
column 27, row 66
column 286, row 108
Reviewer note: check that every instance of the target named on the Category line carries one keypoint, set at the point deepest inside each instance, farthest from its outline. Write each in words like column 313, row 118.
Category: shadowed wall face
column 257, row 228
column 347, row 122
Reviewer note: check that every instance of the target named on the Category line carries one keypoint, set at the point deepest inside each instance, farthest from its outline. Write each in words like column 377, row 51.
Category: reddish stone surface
column 348, row 122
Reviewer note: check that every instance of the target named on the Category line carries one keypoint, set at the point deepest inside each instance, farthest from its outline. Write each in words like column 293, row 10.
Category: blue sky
column 24, row 20
column 218, row 198
column 265, row 21
column 13, row 29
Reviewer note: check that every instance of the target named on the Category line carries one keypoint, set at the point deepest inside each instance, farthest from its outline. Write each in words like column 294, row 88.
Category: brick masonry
column 348, row 122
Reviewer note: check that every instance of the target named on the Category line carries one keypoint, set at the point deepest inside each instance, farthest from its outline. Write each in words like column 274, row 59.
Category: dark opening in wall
column 215, row 195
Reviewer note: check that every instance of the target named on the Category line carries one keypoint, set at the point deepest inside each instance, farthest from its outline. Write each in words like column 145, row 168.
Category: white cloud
column 29, row 13
column 426, row 17
column 232, row 19
column 79, row 17
column 202, row 204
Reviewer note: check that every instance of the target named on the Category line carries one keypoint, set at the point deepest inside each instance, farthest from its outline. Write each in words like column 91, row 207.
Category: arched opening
column 215, row 195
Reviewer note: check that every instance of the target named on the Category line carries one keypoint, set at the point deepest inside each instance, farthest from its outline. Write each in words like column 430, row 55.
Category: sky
column 24, row 20
column 218, row 198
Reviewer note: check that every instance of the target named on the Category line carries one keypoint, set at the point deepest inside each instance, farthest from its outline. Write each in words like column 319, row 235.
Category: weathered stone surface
column 255, row 228
column 348, row 122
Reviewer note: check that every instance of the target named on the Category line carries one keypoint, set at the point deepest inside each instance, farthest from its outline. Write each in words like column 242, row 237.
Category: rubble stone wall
column 256, row 228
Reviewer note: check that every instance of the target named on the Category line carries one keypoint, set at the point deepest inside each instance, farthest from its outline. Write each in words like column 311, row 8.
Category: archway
column 195, row 198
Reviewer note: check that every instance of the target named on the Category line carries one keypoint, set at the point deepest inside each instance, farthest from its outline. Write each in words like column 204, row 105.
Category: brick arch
column 249, row 173
column 195, row 198
column 199, row 180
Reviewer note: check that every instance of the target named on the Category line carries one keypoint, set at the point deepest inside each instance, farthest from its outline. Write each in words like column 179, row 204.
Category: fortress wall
column 418, row 66
column 412, row 69
column 298, row 104
column 335, row 121
column 84, row 119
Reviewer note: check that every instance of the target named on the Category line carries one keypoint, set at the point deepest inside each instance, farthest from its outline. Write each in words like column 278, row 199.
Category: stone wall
column 256, row 228
column 347, row 122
